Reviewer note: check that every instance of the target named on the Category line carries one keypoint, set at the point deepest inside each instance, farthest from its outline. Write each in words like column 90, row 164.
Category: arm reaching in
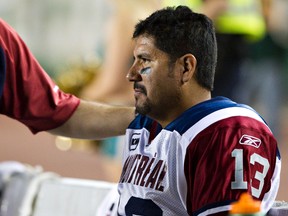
column 92, row 120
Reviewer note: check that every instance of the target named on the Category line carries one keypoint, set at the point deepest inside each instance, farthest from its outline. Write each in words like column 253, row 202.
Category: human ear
column 189, row 63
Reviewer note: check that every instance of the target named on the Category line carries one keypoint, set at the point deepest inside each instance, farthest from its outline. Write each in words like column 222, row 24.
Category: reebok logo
column 250, row 140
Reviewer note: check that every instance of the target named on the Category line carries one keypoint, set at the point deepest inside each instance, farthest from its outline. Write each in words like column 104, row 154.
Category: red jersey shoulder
column 230, row 156
column 239, row 132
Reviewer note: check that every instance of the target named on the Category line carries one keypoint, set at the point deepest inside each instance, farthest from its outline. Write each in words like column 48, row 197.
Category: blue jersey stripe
column 141, row 122
column 190, row 116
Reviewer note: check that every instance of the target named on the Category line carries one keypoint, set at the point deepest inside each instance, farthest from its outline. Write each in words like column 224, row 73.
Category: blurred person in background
column 261, row 81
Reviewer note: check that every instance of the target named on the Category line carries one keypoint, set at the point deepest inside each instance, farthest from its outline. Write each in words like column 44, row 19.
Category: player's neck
column 182, row 106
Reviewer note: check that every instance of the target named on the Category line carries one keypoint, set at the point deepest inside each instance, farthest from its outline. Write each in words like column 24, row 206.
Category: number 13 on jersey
column 239, row 182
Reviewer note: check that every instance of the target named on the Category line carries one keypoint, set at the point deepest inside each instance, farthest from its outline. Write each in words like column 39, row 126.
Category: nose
column 133, row 74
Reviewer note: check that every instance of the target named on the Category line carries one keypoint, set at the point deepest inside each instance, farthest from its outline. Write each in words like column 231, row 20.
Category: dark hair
column 178, row 31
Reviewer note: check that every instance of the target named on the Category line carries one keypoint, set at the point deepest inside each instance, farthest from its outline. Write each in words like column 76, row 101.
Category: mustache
column 141, row 87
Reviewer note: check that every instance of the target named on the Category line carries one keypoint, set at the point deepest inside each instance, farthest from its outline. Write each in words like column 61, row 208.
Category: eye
column 145, row 60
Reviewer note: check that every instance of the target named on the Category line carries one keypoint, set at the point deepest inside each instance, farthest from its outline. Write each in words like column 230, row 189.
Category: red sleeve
column 29, row 94
column 229, row 157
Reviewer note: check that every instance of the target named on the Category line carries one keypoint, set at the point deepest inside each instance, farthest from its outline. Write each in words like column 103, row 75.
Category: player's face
column 156, row 84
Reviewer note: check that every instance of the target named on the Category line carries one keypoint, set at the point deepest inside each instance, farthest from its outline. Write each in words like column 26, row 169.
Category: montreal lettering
column 144, row 171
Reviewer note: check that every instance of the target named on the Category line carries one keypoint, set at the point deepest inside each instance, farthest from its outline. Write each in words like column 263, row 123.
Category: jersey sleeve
column 29, row 94
column 229, row 157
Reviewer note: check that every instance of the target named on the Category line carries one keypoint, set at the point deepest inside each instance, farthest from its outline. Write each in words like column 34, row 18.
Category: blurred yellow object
column 243, row 17
column 247, row 206
column 76, row 76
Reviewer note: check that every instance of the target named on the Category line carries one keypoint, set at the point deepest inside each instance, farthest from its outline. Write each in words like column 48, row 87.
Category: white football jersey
column 199, row 163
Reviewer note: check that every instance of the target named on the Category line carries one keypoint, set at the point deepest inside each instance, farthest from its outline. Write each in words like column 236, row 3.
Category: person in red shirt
column 29, row 95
